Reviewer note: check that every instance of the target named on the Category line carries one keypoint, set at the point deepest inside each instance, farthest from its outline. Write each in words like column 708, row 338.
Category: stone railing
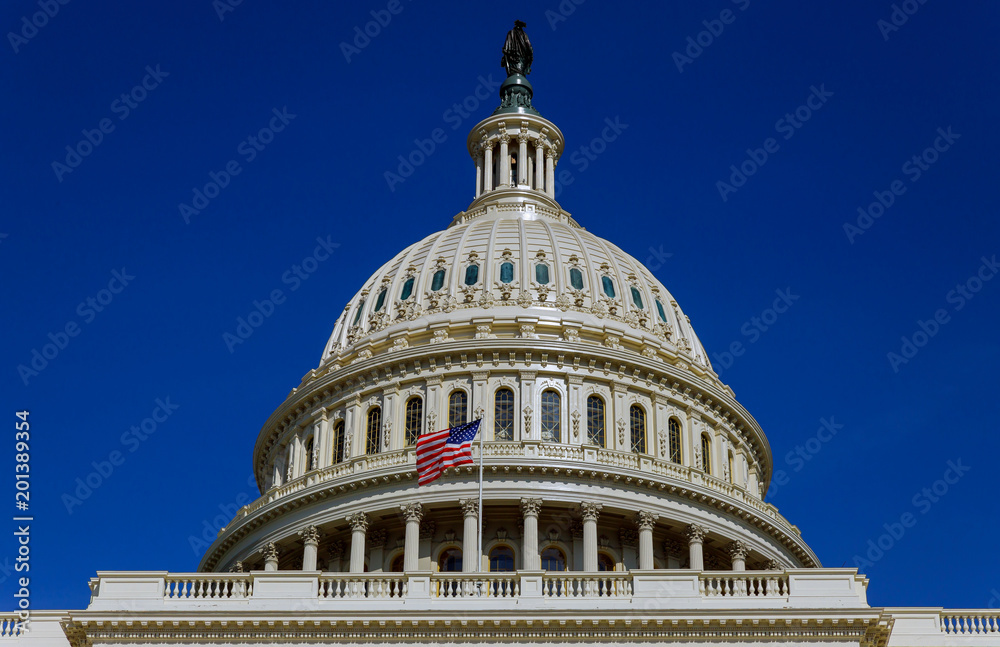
column 676, row 589
column 754, row 584
column 11, row 625
column 208, row 586
column 971, row 622
column 371, row 586
column 530, row 451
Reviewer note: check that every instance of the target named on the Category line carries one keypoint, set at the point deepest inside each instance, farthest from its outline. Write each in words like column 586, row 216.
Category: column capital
column 237, row 568
column 531, row 507
column 695, row 533
column 645, row 520
column 412, row 511
column 674, row 548
column 310, row 535
column 270, row 551
column 773, row 565
column 590, row 510
column 470, row 507
column 358, row 521
column 336, row 549
column 738, row 550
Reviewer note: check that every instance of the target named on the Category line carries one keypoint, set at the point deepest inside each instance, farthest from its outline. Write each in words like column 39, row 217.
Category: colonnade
column 589, row 512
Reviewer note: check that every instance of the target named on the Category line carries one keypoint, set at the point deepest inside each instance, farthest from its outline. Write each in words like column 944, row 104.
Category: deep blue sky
column 652, row 189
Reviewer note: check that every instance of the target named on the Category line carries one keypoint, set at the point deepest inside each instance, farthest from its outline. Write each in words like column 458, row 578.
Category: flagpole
column 479, row 553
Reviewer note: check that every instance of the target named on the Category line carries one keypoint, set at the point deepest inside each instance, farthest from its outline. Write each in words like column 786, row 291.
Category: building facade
column 623, row 483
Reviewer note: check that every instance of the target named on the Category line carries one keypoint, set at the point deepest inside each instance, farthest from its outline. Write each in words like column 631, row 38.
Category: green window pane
column 407, row 290
column 542, row 274
column 576, row 279
column 637, row 298
column 506, row 272
column 438, row 281
column 357, row 317
column 609, row 287
column 659, row 309
column 471, row 274
column 381, row 300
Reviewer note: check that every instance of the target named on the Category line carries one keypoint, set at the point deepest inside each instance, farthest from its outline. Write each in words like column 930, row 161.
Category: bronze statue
column 517, row 53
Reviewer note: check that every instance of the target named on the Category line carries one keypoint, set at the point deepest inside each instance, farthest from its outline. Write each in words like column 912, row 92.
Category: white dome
column 590, row 284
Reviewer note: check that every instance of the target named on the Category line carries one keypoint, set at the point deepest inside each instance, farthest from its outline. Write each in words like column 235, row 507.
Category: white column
column 529, row 541
column 522, row 158
column 413, row 513
column 738, row 551
column 550, row 172
column 359, row 526
column 645, row 521
column 270, row 557
column 487, row 167
column 504, row 160
column 696, row 539
column 298, row 462
column 479, row 171
column 590, row 511
column 470, row 535
column 310, row 539
column 539, row 165
column 322, row 432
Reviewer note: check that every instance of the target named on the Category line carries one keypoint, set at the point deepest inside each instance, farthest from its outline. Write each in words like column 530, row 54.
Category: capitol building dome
column 607, row 442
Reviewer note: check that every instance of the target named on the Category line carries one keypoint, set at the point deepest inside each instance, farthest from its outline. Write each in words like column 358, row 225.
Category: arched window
column 437, row 281
column 357, row 316
column 637, row 298
column 397, row 564
column 595, row 420
column 381, row 299
column 604, row 562
column 450, row 560
column 503, row 414
column 506, row 272
column 338, row 442
column 407, row 290
column 553, row 559
column 675, row 441
column 551, row 427
column 542, row 274
column 373, row 436
column 609, row 286
column 576, row 278
column 310, row 463
column 472, row 275
column 414, row 419
column 706, row 454
column 637, row 425
column 501, row 559
column 659, row 310
column 458, row 409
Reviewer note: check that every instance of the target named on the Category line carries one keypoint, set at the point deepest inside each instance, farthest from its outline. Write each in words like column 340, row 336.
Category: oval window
column 506, row 272
column 609, row 287
column 576, row 279
column 637, row 298
column 437, row 282
column 381, row 300
column 659, row 309
column 407, row 290
column 471, row 274
column 357, row 317
column 542, row 274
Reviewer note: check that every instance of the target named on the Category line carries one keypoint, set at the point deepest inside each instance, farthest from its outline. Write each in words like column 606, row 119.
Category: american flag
column 442, row 449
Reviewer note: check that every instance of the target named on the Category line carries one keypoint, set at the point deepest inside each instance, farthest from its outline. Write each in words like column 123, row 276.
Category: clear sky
column 152, row 99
